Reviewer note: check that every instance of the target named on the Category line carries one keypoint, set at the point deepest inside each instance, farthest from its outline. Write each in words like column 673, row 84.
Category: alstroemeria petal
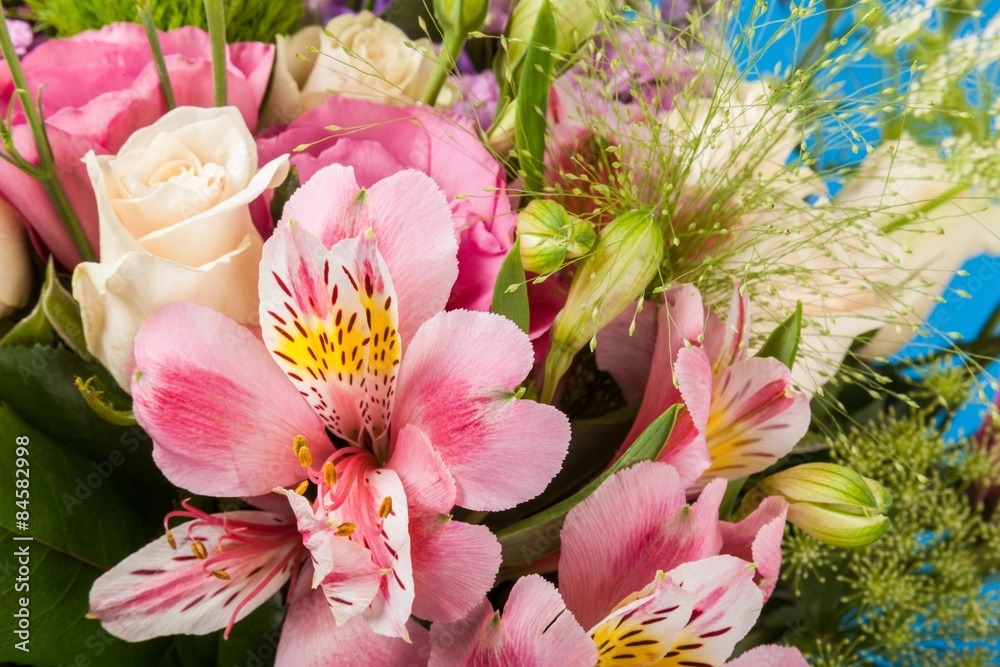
column 456, row 384
column 160, row 590
column 758, row 539
column 627, row 356
column 726, row 340
column 411, row 220
column 680, row 325
column 342, row 568
column 755, row 418
column 454, row 563
column 535, row 630
column 387, row 537
column 770, row 655
column 329, row 319
column 221, row 415
column 726, row 605
column 635, row 524
column 644, row 626
column 311, row 637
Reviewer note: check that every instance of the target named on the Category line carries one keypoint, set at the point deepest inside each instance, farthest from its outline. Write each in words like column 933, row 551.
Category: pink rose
column 379, row 140
column 99, row 88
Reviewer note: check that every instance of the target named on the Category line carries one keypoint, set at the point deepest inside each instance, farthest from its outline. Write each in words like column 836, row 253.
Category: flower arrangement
column 546, row 333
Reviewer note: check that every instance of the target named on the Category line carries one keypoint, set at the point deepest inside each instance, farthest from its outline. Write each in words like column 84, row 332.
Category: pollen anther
column 221, row 574
column 385, row 508
column 301, row 448
column 199, row 550
column 170, row 540
column 345, row 529
column 301, row 488
column 329, row 473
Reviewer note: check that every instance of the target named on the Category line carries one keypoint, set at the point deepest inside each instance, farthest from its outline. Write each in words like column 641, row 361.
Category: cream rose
column 359, row 55
column 15, row 276
column 174, row 226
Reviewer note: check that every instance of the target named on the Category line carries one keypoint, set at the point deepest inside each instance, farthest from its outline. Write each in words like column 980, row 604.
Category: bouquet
column 532, row 333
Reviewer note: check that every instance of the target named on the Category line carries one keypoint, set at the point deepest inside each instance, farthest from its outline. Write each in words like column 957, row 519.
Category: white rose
column 15, row 276
column 359, row 55
column 175, row 225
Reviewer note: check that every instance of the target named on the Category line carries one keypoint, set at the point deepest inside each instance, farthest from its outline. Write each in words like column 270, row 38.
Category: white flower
column 175, row 225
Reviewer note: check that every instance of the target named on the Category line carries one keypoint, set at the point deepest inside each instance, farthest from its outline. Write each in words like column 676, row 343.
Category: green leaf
column 39, row 382
column 254, row 640
column 55, row 313
column 92, row 391
column 63, row 313
column 283, row 193
column 783, row 343
column 537, row 536
column 76, row 537
column 512, row 304
column 33, row 329
column 533, row 99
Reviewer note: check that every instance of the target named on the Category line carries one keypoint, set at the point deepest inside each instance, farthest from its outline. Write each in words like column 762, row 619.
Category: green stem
column 451, row 47
column 49, row 178
column 146, row 17
column 215, row 12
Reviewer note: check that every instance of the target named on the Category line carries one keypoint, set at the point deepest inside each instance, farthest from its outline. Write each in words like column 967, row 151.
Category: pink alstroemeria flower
column 741, row 413
column 651, row 576
column 360, row 388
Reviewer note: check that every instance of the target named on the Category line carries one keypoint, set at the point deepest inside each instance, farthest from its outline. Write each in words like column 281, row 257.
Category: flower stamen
column 301, row 448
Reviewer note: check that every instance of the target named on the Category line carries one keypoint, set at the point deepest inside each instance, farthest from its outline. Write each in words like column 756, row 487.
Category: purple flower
column 21, row 35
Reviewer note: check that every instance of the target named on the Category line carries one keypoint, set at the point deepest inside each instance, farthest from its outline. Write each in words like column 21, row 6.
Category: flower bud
column 461, row 16
column 831, row 502
column 549, row 235
column 576, row 22
column 624, row 260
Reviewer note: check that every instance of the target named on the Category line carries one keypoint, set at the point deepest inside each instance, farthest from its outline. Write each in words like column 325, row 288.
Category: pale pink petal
column 388, row 540
column 342, row 567
column 758, row 539
column 160, row 590
column 644, row 626
column 454, row 563
column 680, row 325
column 634, row 525
column 221, row 415
column 329, row 319
column 311, row 637
column 411, row 220
column 726, row 605
column 756, row 418
column 770, row 655
column 535, row 630
column 726, row 340
column 456, row 384
column 627, row 357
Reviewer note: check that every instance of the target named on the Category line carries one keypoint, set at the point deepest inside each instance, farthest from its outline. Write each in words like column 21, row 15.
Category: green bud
column 831, row 502
column 461, row 16
column 576, row 22
column 624, row 260
column 549, row 236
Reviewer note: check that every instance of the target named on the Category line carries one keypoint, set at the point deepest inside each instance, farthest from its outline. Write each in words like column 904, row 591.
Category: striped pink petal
column 454, row 563
column 758, row 539
column 221, row 415
column 636, row 524
column 223, row 567
column 409, row 216
column 311, row 637
column 330, row 320
column 535, row 630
